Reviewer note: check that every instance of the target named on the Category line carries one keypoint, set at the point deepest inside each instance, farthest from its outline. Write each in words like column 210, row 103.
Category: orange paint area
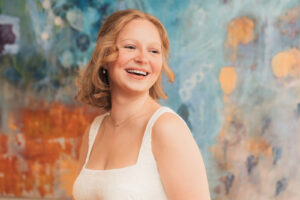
column 54, row 121
column 43, row 156
column 3, row 144
column 259, row 145
column 11, row 179
column 228, row 79
column 240, row 31
column 286, row 63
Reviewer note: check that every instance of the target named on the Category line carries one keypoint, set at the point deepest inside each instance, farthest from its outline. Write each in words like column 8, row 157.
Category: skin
column 177, row 155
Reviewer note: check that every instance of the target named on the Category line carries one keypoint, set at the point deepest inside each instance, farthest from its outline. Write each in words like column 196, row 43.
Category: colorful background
column 237, row 66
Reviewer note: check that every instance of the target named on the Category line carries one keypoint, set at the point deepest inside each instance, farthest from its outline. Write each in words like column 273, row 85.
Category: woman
column 137, row 149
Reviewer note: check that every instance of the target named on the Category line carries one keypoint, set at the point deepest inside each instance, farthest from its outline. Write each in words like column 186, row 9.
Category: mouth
column 137, row 72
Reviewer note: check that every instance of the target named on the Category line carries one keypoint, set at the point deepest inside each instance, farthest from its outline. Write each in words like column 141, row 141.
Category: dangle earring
column 104, row 71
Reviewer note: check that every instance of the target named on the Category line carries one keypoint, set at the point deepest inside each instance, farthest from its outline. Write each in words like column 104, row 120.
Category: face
column 139, row 61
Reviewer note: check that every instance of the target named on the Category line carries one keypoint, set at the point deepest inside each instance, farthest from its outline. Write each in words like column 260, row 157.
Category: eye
column 130, row 47
column 154, row 51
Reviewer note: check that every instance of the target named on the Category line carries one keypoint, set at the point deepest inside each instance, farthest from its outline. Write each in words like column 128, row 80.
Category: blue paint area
column 277, row 153
column 55, row 83
column 82, row 42
column 81, row 3
column 12, row 75
column 252, row 161
column 184, row 113
column 281, row 185
column 298, row 109
column 228, row 182
column 266, row 124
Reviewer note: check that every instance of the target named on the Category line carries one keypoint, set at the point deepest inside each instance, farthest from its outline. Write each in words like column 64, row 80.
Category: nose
column 141, row 57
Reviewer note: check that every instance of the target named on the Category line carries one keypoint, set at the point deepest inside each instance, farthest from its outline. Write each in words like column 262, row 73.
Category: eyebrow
column 152, row 43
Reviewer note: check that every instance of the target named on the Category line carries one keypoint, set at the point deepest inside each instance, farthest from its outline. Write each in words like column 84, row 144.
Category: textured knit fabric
column 136, row 182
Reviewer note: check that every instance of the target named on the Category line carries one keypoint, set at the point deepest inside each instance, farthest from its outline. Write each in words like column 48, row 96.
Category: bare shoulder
column 178, row 159
column 169, row 126
column 170, row 133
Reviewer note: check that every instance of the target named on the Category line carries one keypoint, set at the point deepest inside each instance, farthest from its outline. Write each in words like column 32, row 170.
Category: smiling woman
column 93, row 82
column 139, row 61
column 137, row 149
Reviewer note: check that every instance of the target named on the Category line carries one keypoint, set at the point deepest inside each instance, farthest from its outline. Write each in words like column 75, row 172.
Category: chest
column 113, row 149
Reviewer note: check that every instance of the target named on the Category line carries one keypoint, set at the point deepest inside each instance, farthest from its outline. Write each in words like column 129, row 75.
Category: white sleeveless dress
column 136, row 182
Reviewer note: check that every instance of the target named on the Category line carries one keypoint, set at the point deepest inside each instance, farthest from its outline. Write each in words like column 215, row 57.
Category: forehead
column 140, row 30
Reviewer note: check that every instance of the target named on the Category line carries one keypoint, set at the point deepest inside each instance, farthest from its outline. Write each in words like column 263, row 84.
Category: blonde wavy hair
column 93, row 84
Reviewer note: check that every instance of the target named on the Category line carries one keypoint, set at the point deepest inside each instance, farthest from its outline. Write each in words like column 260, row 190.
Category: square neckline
column 122, row 168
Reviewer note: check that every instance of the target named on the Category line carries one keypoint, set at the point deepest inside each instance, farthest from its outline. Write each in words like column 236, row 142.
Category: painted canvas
column 237, row 85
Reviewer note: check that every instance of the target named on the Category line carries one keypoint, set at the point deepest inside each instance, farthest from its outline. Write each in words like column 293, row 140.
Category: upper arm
column 83, row 149
column 178, row 159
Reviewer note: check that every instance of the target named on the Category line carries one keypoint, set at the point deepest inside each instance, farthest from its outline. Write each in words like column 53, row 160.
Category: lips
column 137, row 72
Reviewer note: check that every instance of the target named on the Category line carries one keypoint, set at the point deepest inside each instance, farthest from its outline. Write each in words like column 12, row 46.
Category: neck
column 125, row 106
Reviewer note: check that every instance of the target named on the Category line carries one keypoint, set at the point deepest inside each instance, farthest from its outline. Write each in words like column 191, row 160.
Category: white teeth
column 137, row 72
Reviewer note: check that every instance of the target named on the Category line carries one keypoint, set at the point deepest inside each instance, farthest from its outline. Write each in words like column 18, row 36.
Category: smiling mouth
column 137, row 72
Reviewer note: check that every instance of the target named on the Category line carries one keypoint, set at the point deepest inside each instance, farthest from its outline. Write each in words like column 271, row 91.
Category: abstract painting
column 237, row 85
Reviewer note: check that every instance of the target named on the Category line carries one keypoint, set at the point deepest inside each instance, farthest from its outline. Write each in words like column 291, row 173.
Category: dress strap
column 93, row 133
column 155, row 116
column 146, row 148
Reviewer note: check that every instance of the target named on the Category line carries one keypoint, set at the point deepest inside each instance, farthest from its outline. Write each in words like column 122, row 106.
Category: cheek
column 158, row 65
column 123, row 58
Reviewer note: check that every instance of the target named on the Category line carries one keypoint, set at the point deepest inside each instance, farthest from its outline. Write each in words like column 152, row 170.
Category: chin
column 138, row 90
